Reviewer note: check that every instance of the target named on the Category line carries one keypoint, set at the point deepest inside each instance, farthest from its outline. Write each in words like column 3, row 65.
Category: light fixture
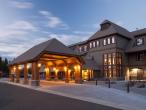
column 28, row 66
column 39, row 65
column 19, row 67
column 65, row 68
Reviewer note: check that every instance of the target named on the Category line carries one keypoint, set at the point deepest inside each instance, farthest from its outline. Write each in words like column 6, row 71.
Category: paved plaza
column 19, row 98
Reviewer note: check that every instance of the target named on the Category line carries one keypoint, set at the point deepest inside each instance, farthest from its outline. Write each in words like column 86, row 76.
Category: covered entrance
column 50, row 60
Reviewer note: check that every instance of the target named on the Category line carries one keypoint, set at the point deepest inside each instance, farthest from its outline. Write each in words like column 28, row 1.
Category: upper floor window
column 108, row 41
column 90, row 44
column 113, row 40
column 139, row 41
column 97, row 43
column 140, row 56
column 80, row 49
column 85, row 48
column 104, row 42
column 93, row 44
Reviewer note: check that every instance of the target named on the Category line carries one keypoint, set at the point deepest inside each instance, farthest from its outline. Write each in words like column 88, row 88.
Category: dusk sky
column 25, row 23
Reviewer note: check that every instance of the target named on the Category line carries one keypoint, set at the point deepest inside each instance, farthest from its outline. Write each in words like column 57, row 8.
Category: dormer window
column 113, row 40
column 139, row 41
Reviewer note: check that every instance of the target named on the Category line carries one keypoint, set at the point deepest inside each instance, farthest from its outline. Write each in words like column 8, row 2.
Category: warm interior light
column 19, row 67
column 46, row 69
column 75, row 67
column 39, row 65
column 54, row 69
column 65, row 68
column 14, row 68
column 134, row 69
column 28, row 66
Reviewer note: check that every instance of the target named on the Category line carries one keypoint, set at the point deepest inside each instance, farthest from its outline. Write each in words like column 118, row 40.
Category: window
column 112, row 64
column 108, row 41
column 113, row 40
column 90, row 44
column 80, row 49
column 93, row 44
column 104, row 42
column 97, row 43
column 140, row 56
column 85, row 48
column 139, row 41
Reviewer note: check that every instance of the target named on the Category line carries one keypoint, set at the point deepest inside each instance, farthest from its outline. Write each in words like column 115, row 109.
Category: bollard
column 96, row 82
column 128, row 87
column 109, row 83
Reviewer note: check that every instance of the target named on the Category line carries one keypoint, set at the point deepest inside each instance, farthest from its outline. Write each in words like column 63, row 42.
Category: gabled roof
column 50, row 46
column 112, row 29
column 139, row 32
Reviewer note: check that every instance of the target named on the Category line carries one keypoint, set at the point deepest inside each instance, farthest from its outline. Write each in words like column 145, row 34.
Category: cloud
column 21, row 5
column 53, row 21
column 68, row 38
column 22, row 25
column 83, row 32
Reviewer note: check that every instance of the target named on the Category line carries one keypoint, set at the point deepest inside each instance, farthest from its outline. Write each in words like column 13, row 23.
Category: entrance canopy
column 52, row 54
column 51, row 50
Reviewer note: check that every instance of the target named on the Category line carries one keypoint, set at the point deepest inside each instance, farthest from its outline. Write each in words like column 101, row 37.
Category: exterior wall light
column 19, row 67
column 39, row 65
column 65, row 68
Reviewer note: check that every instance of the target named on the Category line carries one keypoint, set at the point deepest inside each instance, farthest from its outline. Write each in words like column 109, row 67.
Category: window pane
column 113, row 40
column 108, row 40
column 104, row 42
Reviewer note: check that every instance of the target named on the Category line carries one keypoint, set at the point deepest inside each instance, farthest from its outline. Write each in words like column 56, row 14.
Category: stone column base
column 35, row 82
column 25, row 82
column 17, row 81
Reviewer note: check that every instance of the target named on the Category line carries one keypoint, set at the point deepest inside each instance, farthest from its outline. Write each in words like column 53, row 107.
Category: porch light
column 65, row 68
column 75, row 67
column 14, row 68
column 54, row 69
column 39, row 65
column 19, row 67
column 46, row 69
column 28, row 66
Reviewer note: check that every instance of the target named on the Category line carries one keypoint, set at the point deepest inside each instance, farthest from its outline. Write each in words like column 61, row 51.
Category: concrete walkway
column 91, row 93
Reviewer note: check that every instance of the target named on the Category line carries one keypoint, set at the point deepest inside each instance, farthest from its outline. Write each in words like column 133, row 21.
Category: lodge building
column 112, row 52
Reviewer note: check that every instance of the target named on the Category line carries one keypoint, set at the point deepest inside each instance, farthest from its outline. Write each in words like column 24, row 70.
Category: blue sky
column 25, row 23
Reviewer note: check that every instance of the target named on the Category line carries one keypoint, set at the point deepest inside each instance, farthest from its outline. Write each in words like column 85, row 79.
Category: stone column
column 47, row 70
column 25, row 74
column 35, row 74
column 78, row 74
column 56, row 74
column 66, row 74
column 11, row 75
column 17, row 72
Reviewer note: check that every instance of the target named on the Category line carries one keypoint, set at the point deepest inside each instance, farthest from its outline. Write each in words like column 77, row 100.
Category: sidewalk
column 96, row 94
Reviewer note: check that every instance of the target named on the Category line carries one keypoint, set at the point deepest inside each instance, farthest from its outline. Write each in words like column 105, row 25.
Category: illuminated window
column 108, row 41
column 139, row 41
column 113, row 40
column 104, row 42
column 85, row 48
column 90, row 44
column 80, row 49
column 97, row 43
column 93, row 44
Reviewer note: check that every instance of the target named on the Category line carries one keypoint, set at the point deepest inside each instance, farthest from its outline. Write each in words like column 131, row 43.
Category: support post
column 35, row 74
column 17, row 72
column 25, row 74
column 67, row 74
column 78, row 74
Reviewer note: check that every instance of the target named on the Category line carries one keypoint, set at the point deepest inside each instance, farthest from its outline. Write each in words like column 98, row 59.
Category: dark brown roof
column 90, row 64
column 139, row 32
column 51, row 46
column 113, row 29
